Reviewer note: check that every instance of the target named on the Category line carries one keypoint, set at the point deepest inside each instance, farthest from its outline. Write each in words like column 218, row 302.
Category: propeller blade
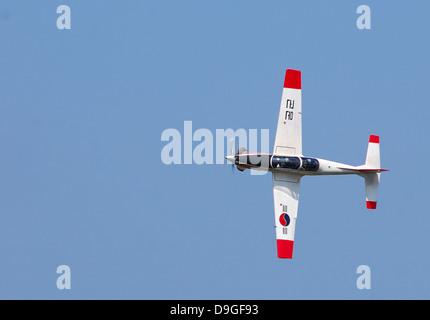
column 232, row 147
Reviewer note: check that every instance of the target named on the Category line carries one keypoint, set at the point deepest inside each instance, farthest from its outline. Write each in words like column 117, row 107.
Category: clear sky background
column 82, row 182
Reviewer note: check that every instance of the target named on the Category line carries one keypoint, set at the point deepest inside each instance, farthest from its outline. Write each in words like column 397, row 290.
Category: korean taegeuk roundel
column 284, row 219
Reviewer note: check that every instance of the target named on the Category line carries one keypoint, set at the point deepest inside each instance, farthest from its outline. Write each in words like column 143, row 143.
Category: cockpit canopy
column 310, row 164
column 281, row 162
column 294, row 163
column 286, row 162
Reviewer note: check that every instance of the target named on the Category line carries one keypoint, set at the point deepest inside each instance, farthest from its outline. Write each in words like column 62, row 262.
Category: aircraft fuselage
column 300, row 165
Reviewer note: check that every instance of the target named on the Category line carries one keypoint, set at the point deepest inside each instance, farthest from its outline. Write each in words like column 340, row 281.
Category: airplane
column 288, row 165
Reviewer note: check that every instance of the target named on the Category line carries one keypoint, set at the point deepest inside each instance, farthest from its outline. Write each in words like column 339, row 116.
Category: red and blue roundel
column 284, row 219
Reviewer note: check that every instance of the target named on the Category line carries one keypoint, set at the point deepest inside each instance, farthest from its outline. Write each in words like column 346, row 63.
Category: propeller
column 232, row 155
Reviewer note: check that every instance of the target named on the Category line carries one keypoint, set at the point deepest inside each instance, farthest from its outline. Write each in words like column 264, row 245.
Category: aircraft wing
column 288, row 139
column 286, row 187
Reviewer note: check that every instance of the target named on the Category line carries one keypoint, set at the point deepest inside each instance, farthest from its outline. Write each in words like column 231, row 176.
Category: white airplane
column 288, row 164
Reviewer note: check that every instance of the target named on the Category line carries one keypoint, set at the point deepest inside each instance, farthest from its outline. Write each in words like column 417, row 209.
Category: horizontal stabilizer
column 370, row 173
column 372, row 184
column 373, row 159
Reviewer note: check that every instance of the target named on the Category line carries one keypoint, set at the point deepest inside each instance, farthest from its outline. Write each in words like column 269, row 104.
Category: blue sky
column 82, row 182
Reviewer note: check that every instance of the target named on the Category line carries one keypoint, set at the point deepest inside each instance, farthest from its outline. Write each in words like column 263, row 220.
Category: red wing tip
column 293, row 79
column 285, row 249
column 374, row 139
column 371, row 204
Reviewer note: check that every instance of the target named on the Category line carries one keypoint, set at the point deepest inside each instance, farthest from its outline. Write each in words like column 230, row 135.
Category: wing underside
column 286, row 190
column 288, row 140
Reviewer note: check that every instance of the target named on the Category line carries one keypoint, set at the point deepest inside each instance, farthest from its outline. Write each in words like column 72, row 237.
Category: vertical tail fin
column 373, row 161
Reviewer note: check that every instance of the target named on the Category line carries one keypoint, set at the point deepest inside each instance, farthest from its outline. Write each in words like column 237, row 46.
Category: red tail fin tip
column 374, row 139
column 371, row 204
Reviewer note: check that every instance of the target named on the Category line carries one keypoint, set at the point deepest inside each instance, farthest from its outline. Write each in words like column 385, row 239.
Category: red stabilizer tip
column 371, row 204
column 293, row 79
column 374, row 139
column 285, row 249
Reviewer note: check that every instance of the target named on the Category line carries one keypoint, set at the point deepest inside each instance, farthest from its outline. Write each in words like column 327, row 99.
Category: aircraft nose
column 230, row 158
